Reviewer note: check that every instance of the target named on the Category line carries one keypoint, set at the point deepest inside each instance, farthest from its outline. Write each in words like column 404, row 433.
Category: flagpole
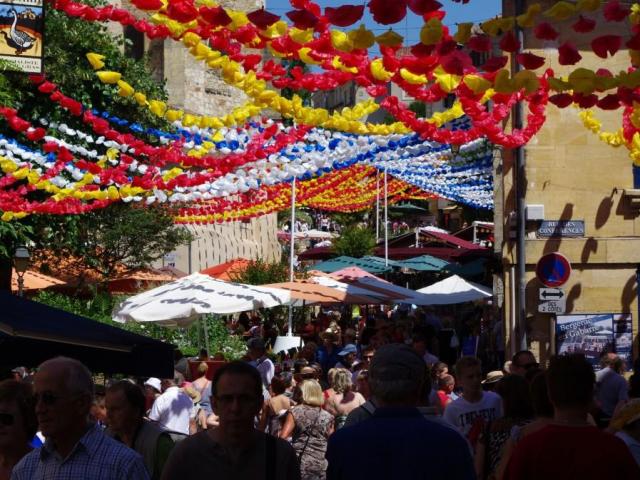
column 386, row 220
column 377, row 205
column 292, row 232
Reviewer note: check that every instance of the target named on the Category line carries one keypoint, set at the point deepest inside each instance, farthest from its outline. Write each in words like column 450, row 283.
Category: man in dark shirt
column 397, row 442
column 570, row 446
column 234, row 450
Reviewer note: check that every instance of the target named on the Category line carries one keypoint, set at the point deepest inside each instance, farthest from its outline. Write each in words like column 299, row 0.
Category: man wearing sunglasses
column 74, row 447
column 522, row 362
column 235, row 450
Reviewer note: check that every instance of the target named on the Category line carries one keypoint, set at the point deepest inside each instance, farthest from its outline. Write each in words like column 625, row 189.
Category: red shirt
column 565, row 452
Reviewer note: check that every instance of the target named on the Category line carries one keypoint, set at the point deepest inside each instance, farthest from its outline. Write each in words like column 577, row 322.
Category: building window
column 134, row 44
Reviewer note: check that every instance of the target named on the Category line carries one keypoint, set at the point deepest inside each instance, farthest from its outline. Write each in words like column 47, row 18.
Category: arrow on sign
column 552, row 294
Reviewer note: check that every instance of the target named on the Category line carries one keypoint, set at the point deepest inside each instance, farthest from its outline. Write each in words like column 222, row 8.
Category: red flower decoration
column 544, row 31
column 480, row 43
column 509, row 42
column 530, row 61
column 422, row 50
column 585, row 101
column 216, row 16
column 262, row 19
column 47, row 87
column 568, row 54
column 147, row 4
column 36, row 134
column 445, row 47
column 302, row 19
column 387, row 12
column 561, row 100
column 456, row 62
column 634, row 42
column 182, row 11
column 345, row 15
column 584, row 25
column 420, row 7
column 606, row 44
column 495, row 63
column 614, row 12
column 610, row 102
column 18, row 124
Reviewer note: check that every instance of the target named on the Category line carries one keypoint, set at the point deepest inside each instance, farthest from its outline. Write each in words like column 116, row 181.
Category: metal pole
column 520, row 190
column 292, row 231
column 386, row 220
column 377, row 205
column 20, row 284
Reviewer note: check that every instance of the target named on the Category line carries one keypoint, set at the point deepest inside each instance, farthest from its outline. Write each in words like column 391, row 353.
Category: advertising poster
column 21, row 35
column 593, row 334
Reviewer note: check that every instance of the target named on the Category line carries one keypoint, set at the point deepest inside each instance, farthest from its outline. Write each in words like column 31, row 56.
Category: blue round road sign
column 553, row 270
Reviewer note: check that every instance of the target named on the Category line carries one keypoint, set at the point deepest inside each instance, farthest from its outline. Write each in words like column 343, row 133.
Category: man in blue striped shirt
column 75, row 449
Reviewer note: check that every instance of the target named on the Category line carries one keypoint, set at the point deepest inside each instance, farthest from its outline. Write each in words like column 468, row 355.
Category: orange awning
column 34, row 280
column 226, row 270
column 312, row 293
column 143, row 279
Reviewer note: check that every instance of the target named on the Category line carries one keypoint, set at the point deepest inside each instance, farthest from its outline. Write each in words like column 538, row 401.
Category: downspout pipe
column 520, row 187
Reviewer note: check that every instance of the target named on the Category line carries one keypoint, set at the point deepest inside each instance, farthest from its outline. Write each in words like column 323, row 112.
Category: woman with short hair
column 18, row 424
column 310, row 427
column 344, row 399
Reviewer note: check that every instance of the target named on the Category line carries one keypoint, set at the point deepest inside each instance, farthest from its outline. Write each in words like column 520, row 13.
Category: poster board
column 22, row 35
column 594, row 333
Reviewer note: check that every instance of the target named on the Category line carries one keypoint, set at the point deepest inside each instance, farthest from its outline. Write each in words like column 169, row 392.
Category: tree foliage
column 189, row 340
column 67, row 42
column 355, row 241
column 120, row 234
column 259, row 272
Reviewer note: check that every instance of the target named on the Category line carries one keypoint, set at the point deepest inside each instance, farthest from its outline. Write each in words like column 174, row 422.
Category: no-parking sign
column 553, row 270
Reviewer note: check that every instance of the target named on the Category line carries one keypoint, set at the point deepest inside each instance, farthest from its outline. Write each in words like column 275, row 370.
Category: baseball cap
column 348, row 348
column 154, row 383
column 397, row 360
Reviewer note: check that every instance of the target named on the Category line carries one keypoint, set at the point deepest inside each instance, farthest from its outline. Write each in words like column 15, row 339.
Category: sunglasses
column 7, row 419
column 242, row 399
column 528, row 366
column 48, row 398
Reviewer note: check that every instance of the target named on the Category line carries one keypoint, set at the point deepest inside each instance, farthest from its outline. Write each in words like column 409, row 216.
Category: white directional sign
column 551, row 294
column 553, row 300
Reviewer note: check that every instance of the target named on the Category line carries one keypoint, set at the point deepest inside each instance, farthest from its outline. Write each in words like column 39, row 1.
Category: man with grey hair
column 397, row 441
column 74, row 447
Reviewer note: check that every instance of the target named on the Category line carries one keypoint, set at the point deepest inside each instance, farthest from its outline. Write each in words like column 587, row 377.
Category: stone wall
column 215, row 244
column 199, row 90
column 576, row 177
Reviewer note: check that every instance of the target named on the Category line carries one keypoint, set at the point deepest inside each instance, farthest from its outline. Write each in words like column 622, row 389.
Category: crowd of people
column 345, row 406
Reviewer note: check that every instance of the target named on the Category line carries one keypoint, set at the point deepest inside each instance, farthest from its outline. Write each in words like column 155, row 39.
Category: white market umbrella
column 180, row 303
column 455, row 289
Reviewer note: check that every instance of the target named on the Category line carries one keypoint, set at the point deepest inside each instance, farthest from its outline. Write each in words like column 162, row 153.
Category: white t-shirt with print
column 463, row 414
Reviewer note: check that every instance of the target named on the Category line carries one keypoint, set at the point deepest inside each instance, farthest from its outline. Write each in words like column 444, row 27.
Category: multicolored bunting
column 236, row 166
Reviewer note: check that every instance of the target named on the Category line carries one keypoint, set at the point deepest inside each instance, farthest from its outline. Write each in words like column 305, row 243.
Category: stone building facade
column 199, row 90
column 574, row 177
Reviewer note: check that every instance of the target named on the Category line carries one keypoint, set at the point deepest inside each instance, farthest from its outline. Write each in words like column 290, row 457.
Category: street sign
column 553, row 306
column 561, row 228
column 553, row 270
column 551, row 294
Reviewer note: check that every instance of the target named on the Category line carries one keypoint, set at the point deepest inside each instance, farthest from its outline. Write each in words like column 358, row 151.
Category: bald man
column 74, row 447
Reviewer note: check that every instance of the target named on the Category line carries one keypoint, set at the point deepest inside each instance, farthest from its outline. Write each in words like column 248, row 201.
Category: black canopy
column 31, row 332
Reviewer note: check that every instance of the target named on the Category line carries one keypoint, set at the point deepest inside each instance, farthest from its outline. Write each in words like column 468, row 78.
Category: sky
column 475, row 11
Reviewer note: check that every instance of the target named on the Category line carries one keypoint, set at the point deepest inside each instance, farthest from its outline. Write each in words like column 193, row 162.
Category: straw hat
column 627, row 414
column 493, row 377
